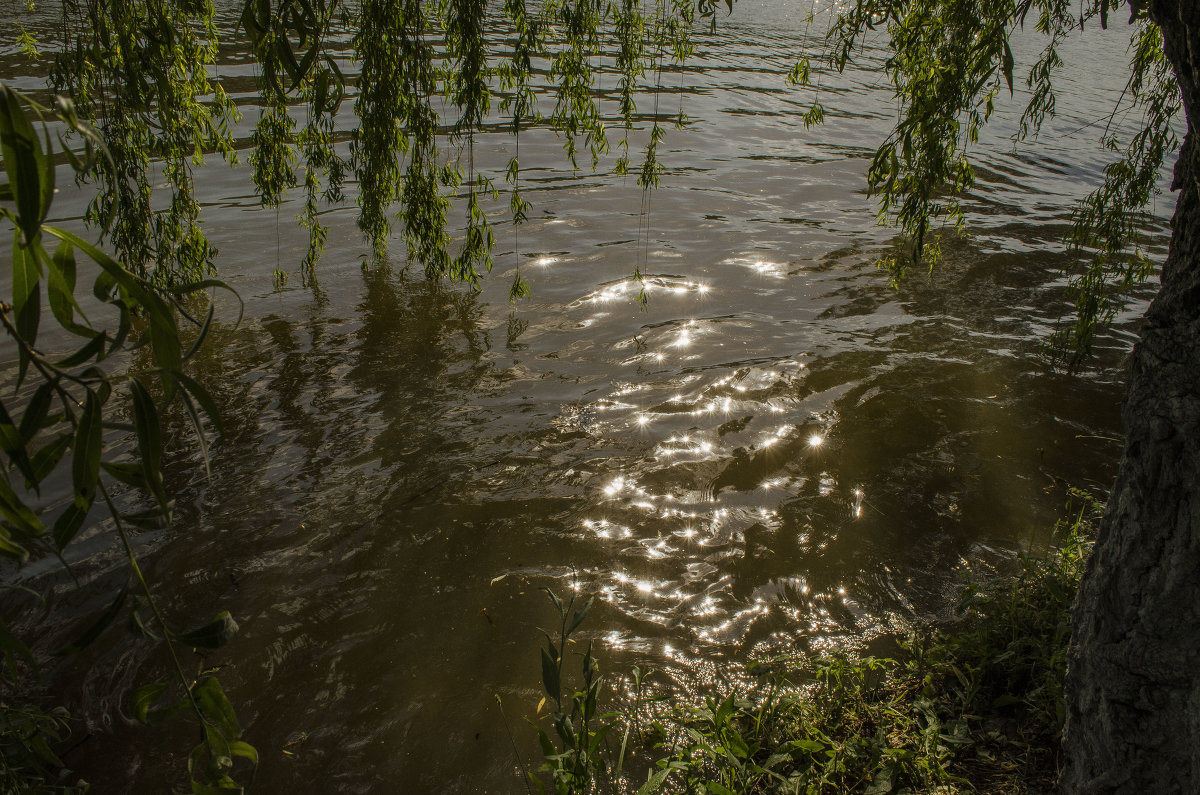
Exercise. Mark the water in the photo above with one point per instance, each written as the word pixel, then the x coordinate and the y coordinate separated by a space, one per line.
pixel 777 454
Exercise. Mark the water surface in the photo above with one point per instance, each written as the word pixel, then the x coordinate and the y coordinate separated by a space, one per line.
pixel 777 453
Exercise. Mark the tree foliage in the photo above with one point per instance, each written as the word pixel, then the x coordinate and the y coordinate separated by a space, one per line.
pixel 431 75
pixel 67 400
pixel 948 62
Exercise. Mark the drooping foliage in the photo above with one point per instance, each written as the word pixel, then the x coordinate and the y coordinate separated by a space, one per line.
pixel 948 61
pixel 424 79
pixel 424 76
pixel 53 432
pixel 143 71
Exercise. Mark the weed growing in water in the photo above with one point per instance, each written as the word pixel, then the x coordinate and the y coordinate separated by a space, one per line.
pixel 577 757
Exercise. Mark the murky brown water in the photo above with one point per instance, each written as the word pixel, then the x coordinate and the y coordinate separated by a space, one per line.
pixel 778 453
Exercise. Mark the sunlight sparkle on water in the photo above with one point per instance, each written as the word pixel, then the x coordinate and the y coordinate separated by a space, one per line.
pixel 816 440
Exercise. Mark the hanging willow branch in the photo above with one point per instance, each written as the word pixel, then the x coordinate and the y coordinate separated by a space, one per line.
pixel 145 69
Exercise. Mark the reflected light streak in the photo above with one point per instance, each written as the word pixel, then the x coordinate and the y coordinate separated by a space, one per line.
pixel 816 440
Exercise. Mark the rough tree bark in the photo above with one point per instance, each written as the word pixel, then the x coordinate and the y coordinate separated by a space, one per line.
pixel 1133 684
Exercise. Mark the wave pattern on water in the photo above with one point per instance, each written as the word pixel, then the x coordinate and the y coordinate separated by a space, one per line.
pixel 776 453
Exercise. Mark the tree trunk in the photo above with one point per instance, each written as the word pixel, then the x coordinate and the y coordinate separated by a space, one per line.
pixel 1133 683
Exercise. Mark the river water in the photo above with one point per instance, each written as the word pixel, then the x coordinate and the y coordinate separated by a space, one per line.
pixel 777 453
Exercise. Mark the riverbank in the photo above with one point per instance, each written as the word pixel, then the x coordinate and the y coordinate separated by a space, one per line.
pixel 972 707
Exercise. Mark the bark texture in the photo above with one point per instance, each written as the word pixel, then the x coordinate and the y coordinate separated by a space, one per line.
pixel 1133 683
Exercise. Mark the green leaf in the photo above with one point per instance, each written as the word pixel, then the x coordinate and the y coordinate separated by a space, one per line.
pixel 10 548
pixel 807 746
pixel 19 516
pixel 45 459
pixel 244 750
pixel 23 161
pixel 85 464
pixel 13 444
pixel 45 159
pixel 97 627
pixel 1006 65
pixel 216 707
pixel 163 332
pixel 212 635
pixel 580 615
pixel 203 335
pixel 60 289
pixel 550 678
pixel 194 417
pixel 201 395
pixel 737 745
pixel 654 782
pixel 126 472
pixel 93 349
pixel 149 439
pixel 34 417
pixel 69 523
pixel 27 306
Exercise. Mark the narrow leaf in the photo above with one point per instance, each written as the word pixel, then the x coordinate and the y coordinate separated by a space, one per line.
pixel 85 463
pixel 149 438
pixel 13 444
pixel 98 626
pixel 34 417
pixel 45 459
pixel 212 635
pixel 69 523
